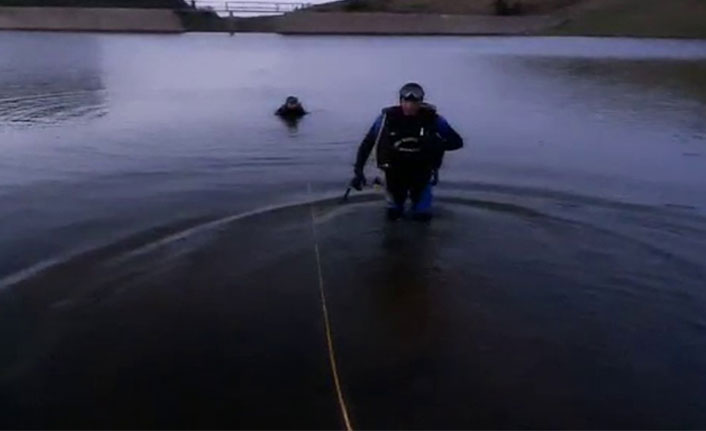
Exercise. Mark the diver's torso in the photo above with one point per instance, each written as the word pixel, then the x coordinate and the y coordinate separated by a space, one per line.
pixel 404 140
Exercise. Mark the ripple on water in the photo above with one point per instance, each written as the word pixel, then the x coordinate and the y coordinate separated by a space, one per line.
pixel 52 108
pixel 490 298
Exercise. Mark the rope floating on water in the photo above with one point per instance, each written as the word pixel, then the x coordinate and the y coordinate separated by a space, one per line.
pixel 327 323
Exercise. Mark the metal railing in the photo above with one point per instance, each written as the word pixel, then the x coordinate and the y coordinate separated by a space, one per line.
pixel 248 7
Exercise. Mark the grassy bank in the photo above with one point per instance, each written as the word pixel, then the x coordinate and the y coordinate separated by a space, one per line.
pixel 452 7
pixel 638 18
pixel 641 18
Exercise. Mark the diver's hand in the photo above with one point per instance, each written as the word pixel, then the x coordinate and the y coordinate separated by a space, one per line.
pixel 434 177
pixel 359 181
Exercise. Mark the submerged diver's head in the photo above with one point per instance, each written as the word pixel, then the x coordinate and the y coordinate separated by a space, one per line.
pixel 292 102
pixel 411 98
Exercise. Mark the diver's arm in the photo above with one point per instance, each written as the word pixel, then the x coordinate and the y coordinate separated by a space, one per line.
pixel 366 147
pixel 451 140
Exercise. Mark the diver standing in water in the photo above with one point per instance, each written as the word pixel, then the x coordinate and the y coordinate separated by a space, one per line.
pixel 411 139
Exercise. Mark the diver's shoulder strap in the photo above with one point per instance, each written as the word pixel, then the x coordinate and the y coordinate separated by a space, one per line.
pixel 392 110
pixel 383 124
pixel 429 107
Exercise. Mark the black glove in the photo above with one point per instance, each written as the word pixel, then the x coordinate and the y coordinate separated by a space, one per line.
pixel 359 181
pixel 434 177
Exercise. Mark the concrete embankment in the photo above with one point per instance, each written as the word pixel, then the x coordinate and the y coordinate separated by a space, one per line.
pixel 90 19
pixel 395 24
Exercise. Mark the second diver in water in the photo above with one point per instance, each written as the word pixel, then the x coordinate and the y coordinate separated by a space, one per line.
pixel 292 109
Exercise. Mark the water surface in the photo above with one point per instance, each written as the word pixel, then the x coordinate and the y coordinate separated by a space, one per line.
pixel 157 263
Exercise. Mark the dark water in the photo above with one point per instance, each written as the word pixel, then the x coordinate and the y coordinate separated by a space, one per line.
pixel 157 263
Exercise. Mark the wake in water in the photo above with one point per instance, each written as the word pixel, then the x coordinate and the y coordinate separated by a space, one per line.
pixel 52 108
pixel 505 292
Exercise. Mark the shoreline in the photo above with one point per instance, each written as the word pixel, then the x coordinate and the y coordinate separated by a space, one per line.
pixel 303 23
pixel 410 24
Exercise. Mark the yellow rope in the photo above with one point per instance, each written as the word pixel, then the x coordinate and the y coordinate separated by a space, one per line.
pixel 327 324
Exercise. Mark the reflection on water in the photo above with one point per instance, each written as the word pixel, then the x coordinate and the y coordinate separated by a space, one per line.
pixel 291 123
pixel 157 264
pixel 674 89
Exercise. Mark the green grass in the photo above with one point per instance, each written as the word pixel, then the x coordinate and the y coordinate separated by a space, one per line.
pixel 639 18
pixel 468 7
pixel 642 18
